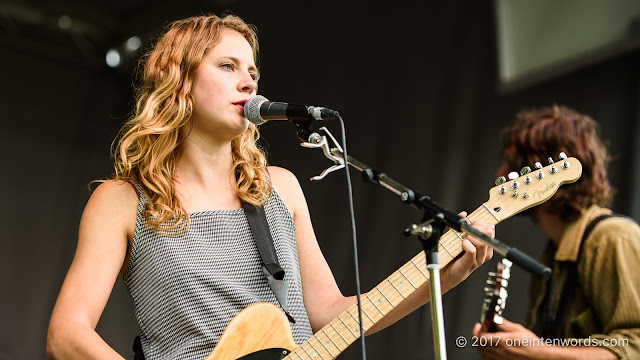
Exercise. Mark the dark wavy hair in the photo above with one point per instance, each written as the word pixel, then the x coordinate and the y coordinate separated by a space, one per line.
pixel 539 133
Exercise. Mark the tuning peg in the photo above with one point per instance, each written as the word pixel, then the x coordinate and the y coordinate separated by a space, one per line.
pixel 525 170
pixel 501 180
pixel 538 165
pixel 550 160
pixel 562 156
pixel 513 175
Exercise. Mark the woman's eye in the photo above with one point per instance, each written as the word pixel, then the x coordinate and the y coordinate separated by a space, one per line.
pixel 254 76
pixel 227 66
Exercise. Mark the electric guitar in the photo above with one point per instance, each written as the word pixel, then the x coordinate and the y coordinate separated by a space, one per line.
pixel 262 331
pixel 495 298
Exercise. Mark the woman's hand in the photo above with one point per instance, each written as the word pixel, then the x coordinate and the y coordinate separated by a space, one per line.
pixel 475 253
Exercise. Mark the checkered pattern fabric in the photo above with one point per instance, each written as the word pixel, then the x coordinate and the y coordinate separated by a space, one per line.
pixel 186 288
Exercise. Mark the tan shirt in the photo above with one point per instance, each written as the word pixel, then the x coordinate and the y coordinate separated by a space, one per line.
pixel 606 305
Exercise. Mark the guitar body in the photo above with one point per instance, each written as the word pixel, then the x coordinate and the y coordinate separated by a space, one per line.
pixel 261 331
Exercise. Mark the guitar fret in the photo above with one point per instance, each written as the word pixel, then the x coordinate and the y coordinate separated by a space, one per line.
pixel 419 269
pixel 461 237
pixel 315 351
pixel 295 351
pixel 406 277
pixel 338 332
pixel 384 296
pixel 324 346
pixel 305 351
pixel 445 248
pixel 364 311
pixel 357 319
pixel 374 304
pixel 347 326
pixel 398 290
pixel 331 340
pixel 491 212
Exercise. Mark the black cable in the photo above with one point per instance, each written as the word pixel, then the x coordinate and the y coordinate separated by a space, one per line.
pixel 353 233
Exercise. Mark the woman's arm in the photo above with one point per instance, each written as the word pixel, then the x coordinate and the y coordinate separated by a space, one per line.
pixel 106 226
pixel 322 297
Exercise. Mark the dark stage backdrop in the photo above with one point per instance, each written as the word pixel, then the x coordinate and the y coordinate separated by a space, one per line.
pixel 417 88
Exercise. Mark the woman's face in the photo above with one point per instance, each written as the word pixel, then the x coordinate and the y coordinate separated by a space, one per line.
pixel 224 81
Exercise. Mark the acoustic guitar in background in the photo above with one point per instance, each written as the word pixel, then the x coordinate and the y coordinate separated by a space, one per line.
pixel 495 298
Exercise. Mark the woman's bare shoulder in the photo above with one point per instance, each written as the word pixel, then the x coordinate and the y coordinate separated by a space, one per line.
pixel 280 175
pixel 288 187
pixel 115 192
pixel 114 200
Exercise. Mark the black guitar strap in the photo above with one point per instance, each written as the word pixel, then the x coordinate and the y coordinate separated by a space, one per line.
pixel 270 265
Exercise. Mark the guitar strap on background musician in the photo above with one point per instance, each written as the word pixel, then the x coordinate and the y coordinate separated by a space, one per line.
pixel 554 311
pixel 270 265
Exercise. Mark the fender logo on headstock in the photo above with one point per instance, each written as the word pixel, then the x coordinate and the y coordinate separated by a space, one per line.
pixel 539 194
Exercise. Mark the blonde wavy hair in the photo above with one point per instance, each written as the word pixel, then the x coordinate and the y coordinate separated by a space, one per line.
pixel 144 150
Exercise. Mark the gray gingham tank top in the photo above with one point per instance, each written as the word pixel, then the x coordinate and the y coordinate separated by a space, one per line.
pixel 186 288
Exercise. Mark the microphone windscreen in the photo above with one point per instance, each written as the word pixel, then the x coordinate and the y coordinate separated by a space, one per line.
pixel 252 109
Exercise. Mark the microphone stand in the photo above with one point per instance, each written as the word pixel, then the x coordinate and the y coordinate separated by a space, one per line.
pixel 435 219
pixel 415 199
pixel 429 233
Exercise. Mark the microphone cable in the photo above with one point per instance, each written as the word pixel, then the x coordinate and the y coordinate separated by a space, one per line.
pixel 353 233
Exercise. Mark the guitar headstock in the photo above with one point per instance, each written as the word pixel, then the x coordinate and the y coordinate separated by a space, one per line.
pixel 496 295
pixel 531 187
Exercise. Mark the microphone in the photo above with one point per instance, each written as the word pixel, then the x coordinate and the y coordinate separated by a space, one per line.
pixel 259 110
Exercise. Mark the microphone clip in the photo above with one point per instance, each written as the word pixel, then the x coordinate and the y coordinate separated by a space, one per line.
pixel 317 141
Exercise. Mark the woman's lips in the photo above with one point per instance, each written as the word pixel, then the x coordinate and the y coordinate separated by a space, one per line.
pixel 240 104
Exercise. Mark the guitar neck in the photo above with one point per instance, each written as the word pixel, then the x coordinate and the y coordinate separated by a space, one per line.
pixel 342 331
